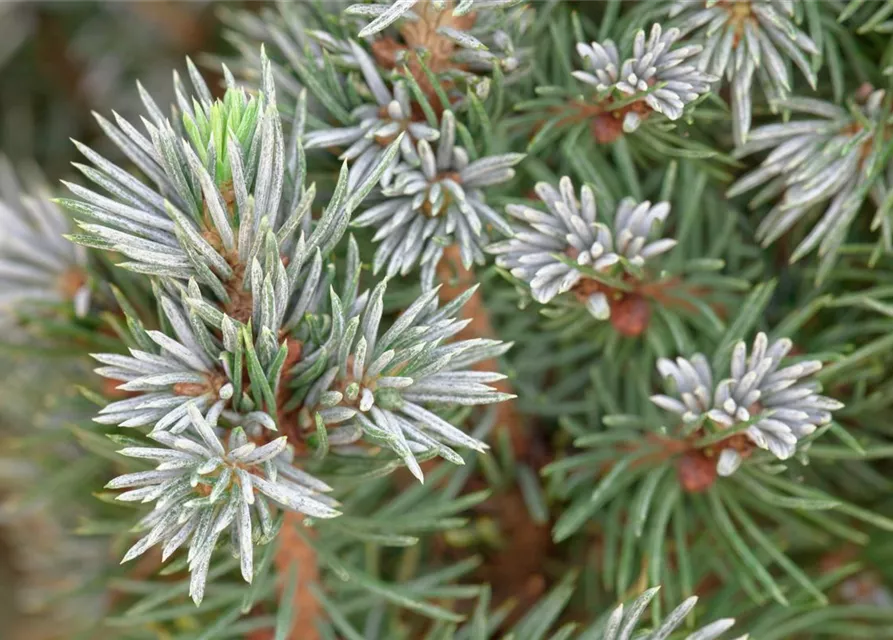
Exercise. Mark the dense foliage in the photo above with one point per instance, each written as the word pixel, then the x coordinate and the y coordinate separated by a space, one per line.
pixel 454 319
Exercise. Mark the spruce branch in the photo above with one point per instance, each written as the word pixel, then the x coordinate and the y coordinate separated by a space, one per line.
pixel 648 286
pixel 778 408
pixel 429 51
pixel 374 125
pixel 654 74
pixel 834 161
pixel 380 383
pixel 746 39
pixel 568 249
pixel 168 375
pixel 455 36
pixel 438 203
pixel 253 336
pixel 619 94
pixel 202 488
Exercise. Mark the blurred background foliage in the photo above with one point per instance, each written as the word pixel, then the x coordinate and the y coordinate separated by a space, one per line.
pixel 59 61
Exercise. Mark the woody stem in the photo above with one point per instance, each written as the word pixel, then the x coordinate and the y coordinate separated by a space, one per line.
pixel 456 279
pixel 295 552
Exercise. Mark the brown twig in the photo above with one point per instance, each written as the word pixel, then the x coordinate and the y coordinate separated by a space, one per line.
pixel 295 551
pixel 516 570
pixel 456 279
pixel 695 466
pixel 631 307
pixel 424 35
